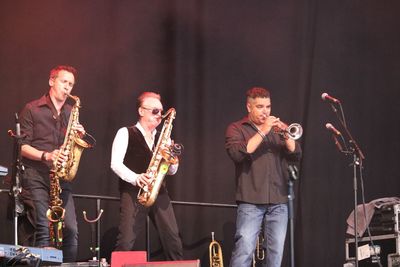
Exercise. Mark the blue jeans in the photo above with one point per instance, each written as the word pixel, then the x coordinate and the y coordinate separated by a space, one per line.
pixel 248 224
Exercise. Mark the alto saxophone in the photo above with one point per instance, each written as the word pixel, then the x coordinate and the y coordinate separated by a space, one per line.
pixel 72 148
pixel 163 156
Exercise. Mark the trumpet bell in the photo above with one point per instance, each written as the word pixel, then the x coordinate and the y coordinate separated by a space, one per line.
pixel 294 131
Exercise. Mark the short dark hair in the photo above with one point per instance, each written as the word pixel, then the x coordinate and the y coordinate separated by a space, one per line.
pixel 54 72
pixel 257 92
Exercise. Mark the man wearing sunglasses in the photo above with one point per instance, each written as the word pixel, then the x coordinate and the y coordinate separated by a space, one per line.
pixel 132 151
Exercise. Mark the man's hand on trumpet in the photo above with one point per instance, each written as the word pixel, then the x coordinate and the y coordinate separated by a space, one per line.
pixel 269 123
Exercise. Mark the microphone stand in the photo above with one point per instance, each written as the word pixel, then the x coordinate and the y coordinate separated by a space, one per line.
pixel 292 177
pixel 358 157
pixel 17 171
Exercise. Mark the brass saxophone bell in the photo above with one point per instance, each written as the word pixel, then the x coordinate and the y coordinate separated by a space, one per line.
pixel 55 214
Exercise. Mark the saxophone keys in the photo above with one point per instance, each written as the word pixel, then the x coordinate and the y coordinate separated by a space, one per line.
pixel 145 188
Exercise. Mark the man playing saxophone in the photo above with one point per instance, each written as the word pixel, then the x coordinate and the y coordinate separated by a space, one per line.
pixel 133 151
pixel 43 126
pixel 261 158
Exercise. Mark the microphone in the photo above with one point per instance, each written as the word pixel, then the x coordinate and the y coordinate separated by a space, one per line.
pixel 337 143
pixel 328 98
pixel 17 125
pixel 293 172
pixel 331 128
pixel 17 128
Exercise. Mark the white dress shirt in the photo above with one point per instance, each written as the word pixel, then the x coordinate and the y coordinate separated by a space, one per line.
pixel 118 151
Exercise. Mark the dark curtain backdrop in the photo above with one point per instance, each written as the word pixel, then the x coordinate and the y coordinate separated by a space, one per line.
pixel 202 56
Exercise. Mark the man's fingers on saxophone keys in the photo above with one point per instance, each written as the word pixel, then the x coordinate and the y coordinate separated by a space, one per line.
pixel 79 128
pixel 141 180
pixel 59 155
pixel 52 156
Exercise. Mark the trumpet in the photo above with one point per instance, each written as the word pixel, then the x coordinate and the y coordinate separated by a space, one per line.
pixel 259 253
pixel 293 131
pixel 215 253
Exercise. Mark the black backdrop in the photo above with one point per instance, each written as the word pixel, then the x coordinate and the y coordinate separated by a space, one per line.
pixel 202 56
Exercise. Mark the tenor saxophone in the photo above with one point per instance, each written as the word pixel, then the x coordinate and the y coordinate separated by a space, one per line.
pixel 163 157
pixel 72 148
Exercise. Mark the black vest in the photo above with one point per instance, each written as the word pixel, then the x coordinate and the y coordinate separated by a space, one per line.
pixel 137 157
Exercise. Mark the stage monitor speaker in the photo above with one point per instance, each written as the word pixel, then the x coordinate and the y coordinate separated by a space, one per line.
pixel 122 258
pixel 386 244
pixel 394 260
pixel 185 263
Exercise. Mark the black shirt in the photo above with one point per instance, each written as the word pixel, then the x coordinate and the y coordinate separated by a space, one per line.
pixel 261 177
pixel 43 128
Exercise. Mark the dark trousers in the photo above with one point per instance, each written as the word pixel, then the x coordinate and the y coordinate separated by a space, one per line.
pixel 37 184
pixel 133 221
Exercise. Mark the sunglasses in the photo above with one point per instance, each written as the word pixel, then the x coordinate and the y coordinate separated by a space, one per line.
pixel 154 111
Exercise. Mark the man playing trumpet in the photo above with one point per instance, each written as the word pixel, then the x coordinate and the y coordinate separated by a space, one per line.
pixel 260 154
